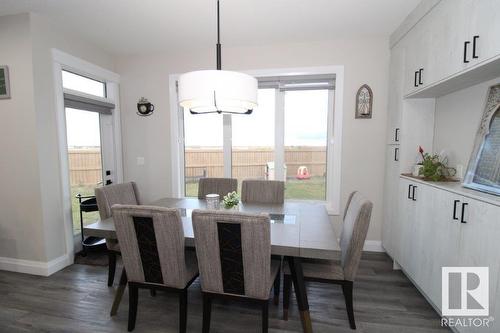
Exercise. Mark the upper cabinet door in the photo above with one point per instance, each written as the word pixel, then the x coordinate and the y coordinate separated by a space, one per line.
pixel 417 56
pixel 396 86
pixel 447 39
pixel 483 21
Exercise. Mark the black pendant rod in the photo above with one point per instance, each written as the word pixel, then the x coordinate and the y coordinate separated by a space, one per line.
pixel 219 62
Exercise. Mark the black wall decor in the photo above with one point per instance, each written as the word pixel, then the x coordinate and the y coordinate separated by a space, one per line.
pixel 144 107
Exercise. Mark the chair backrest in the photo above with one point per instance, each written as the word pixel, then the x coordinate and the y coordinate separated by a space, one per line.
pixel 109 195
pixel 234 252
pixel 220 186
pixel 152 244
pixel 356 221
pixel 263 191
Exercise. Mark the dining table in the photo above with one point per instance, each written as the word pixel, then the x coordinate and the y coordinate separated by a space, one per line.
pixel 299 229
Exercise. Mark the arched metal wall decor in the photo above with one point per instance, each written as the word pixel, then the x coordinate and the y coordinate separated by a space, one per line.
pixel 364 102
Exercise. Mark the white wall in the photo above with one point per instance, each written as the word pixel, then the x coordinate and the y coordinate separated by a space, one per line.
pixel 31 223
pixel 20 203
pixel 457 120
pixel 363 152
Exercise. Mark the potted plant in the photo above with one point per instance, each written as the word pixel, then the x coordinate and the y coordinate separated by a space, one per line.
pixel 434 167
pixel 231 200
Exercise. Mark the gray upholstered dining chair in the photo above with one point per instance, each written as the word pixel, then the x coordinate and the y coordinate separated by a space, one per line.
pixel 107 196
pixel 234 258
pixel 263 191
pixel 356 221
pixel 220 186
pixel 152 245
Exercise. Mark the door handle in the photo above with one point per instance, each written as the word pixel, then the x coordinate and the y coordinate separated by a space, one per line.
pixel 465 51
pixel 409 191
pixel 420 76
pixel 415 83
pixel 109 182
pixel 474 42
pixel 396 135
pixel 413 193
pixel 455 202
pixel 396 154
pixel 463 211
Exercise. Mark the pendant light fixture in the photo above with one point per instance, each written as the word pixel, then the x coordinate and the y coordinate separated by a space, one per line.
pixel 218 91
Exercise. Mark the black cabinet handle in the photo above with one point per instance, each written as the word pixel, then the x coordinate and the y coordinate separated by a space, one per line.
pixel 465 51
pixel 413 194
pixel 415 82
pixel 463 211
pixel 409 191
pixel 396 135
pixel 474 40
pixel 109 182
pixel 455 202
pixel 396 154
pixel 420 76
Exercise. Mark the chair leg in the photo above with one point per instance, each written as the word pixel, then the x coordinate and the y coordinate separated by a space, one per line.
pixel 112 267
pixel 207 310
pixel 183 311
pixel 276 288
pixel 347 290
pixel 133 293
pixel 265 316
pixel 287 286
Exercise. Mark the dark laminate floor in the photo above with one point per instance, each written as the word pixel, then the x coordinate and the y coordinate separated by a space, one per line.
pixel 78 300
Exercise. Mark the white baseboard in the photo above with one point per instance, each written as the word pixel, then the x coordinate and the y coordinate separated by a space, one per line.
pixel 373 246
pixel 35 267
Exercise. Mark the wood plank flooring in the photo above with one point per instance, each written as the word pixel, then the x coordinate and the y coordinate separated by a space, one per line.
pixel 77 299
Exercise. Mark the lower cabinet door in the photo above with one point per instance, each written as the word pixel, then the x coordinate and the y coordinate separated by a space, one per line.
pixel 480 247
pixel 443 243
pixel 406 227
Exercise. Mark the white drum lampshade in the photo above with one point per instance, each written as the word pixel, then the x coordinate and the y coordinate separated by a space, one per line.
pixel 217 91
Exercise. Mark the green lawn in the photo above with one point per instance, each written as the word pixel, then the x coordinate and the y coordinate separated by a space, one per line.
pixel 88 218
pixel 310 189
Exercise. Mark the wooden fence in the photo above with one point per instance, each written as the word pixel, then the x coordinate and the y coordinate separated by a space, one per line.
pixel 85 164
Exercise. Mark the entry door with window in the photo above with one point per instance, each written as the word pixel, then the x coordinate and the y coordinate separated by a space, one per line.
pixel 90 143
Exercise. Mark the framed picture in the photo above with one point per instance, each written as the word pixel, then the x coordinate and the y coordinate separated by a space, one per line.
pixel 4 82
pixel 364 102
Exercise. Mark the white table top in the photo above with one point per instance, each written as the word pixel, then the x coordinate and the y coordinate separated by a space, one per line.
pixel 307 231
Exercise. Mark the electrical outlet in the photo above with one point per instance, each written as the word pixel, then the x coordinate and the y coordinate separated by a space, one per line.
pixel 140 160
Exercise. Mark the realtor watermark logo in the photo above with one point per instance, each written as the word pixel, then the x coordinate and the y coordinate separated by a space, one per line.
pixel 465 293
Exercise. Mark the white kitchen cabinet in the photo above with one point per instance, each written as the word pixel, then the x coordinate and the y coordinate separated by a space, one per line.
pixel 446 41
pixel 391 183
pixel 417 56
pixel 443 240
pixel 482 19
pixel 453 37
pixel 479 245
pixel 395 102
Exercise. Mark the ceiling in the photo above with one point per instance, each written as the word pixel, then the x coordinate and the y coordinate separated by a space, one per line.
pixel 144 26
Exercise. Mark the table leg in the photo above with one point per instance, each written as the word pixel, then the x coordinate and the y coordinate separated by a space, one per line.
pixel 300 292
pixel 119 293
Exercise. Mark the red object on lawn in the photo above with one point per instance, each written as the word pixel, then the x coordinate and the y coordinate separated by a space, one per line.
pixel 303 173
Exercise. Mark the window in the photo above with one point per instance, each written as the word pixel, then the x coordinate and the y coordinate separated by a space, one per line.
pixel 290 136
pixel 253 139
pixel 306 119
pixel 483 173
pixel 203 153
pixel 83 84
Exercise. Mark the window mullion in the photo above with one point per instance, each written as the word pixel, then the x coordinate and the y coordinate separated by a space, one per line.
pixel 279 138
pixel 330 147
pixel 227 145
